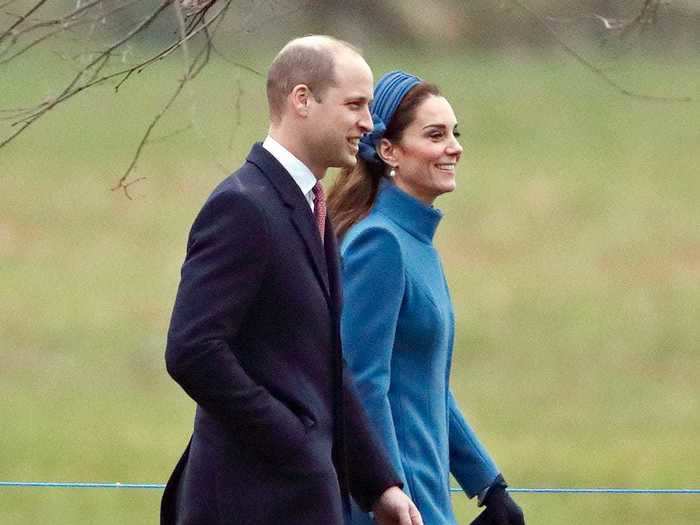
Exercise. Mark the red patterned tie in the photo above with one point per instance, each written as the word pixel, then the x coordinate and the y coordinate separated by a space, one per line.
pixel 320 208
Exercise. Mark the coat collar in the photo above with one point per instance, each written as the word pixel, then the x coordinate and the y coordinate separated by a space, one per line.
pixel 413 215
pixel 301 214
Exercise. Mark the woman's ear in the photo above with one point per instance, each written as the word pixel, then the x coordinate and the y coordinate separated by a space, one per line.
pixel 300 97
pixel 387 151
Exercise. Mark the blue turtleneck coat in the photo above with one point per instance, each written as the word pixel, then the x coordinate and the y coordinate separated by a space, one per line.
pixel 397 330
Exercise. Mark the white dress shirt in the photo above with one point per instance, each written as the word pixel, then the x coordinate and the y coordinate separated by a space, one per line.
pixel 296 168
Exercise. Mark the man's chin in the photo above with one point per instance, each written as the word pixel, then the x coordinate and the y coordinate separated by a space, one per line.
pixel 348 162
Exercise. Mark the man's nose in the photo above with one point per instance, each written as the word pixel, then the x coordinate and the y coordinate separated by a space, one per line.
pixel 366 121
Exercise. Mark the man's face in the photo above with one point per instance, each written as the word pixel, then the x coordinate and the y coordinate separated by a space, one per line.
pixel 337 122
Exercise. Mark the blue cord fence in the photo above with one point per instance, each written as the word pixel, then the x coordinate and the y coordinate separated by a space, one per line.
pixel 521 490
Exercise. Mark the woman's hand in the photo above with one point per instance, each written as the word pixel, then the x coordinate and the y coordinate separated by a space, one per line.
pixel 501 509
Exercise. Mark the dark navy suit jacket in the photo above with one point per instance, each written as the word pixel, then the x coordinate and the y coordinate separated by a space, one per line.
pixel 279 435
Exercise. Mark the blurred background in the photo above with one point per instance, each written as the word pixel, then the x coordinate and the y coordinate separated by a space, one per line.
pixel 572 244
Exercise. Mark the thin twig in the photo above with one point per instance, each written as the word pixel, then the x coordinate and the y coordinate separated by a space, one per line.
pixel 165 52
pixel 71 90
pixel 170 135
pixel 136 30
pixel 122 182
pixel 99 67
pixel 65 23
pixel 234 63
pixel 91 74
pixel 202 56
pixel 599 72
pixel 21 19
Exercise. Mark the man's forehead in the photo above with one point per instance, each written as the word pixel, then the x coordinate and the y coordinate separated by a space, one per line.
pixel 353 71
pixel 355 91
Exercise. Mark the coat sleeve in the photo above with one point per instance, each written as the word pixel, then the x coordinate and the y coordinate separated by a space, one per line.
pixel 227 253
pixel 370 471
pixel 470 462
pixel 373 289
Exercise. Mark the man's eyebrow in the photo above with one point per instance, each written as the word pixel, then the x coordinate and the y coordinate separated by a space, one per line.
pixel 358 98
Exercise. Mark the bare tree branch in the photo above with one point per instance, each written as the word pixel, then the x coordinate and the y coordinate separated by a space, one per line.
pixel 649 9
pixel 22 18
pixel 61 24
pixel 170 135
pixel 196 23
pixel 201 20
pixel 647 17
pixel 192 69
pixel 74 87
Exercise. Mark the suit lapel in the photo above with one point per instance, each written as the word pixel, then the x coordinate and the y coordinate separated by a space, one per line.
pixel 300 212
pixel 332 262
pixel 304 222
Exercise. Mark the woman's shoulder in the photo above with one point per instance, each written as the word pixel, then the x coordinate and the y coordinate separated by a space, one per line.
pixel 372 251
pixel 373 229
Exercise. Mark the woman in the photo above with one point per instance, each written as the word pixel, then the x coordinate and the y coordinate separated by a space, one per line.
pixel 398 324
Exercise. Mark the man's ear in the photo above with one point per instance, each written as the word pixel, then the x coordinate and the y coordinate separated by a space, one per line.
pixel 388 152
pixel 300 97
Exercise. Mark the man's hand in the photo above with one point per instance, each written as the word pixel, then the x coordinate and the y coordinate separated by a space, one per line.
pixel 394 507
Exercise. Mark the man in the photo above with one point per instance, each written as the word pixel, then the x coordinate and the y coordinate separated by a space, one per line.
pixel 279 436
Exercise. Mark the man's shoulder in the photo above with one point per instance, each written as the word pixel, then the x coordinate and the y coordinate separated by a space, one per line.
pixel 243 193
pixel 242 178
pixel 248 190
pixel 246 183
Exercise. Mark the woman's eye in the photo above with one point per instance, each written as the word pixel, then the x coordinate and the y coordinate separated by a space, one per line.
pixel 457 134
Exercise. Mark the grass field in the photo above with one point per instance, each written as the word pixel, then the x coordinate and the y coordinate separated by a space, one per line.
pixel 572 247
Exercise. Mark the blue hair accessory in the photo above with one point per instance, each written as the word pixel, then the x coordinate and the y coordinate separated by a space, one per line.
pixel 368 141
pixel 388 94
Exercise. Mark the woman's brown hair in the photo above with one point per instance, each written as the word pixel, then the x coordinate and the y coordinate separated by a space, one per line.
pixel 355 190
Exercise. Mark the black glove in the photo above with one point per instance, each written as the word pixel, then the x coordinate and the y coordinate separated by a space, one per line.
pixel 500 507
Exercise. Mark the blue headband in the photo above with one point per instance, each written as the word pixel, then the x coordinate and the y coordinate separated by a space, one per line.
pixel 388 94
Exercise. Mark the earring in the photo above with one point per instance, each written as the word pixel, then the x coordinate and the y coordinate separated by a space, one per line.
pixel 392 172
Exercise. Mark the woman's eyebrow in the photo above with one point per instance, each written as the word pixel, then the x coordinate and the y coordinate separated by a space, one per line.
pixel 440 126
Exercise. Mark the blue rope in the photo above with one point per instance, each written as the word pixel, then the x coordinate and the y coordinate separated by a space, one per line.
pixel 160 486
pixel 81 485
pixel 594 490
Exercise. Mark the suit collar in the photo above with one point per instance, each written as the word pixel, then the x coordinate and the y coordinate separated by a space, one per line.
pixel 297 169
pixel 300 212
pixel 288 190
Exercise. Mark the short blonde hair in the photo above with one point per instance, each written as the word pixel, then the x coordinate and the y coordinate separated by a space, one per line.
pixel 308 60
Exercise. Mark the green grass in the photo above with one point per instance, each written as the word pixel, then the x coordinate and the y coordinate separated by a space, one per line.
pixel 572 247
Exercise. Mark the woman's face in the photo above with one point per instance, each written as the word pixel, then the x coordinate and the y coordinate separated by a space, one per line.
pixel 426 156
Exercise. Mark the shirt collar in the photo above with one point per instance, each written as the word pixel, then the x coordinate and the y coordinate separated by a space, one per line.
pixel 297 169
